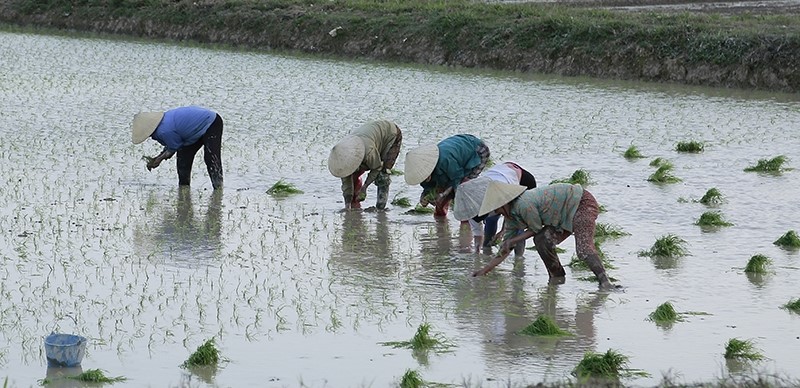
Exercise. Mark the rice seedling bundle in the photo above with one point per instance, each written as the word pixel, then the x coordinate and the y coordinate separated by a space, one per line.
pixel 712 218
pixel 757 264
pixel 712 197
pixel 96 376
pixel 665 313
pixel 205 355
pixel 667 246
pixel 605 365
pixel 788 240
pixel 545 325
pixel 579 177
pixel 769 165
pixel 793 306
pixel 664 174
pixel 633 153
pixel 402 202
pixel 282 188
pixel 690 146
pixel 411 379
pixel 742 350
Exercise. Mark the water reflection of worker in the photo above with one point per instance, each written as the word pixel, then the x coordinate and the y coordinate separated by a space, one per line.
pixel 549 214
pixel 183 131
pixel 363 249
pixel 440 168
pixel 468 203
pixel 185 231
pixel 372 147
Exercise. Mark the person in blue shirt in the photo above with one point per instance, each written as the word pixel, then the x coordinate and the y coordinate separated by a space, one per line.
pixel 440 168
pixel 183 131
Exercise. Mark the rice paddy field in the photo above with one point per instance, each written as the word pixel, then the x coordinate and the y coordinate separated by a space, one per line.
pixel 295 292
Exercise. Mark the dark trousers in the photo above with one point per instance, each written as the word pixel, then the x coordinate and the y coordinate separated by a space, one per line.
pixel 212 155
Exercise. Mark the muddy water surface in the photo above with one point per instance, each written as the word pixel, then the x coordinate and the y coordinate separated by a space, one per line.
pixel 295 292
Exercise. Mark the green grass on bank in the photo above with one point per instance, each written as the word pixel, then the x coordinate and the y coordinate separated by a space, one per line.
pixel 442 30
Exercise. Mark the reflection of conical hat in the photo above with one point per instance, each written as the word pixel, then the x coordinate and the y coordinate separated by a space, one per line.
pixel 346 156
pixel 420 163
pixel 499 194
pixel 469 197
pixel 144 124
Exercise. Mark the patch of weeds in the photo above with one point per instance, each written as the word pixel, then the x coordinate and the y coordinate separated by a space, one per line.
pixel 664 174
pixel 769 165
pixel 658 162
pixel 712 218
pixel 667 246
pixel 758 264
pixel 402 202
pixel 395 172
pixel 282 188
pixel 737 349
pixel 691 146
pixel 633 153
pixel 608 365
pixel 411 379
pixel 420 210
pixel 545 325
pixel 665 313
pixel 793 306
pixel 788 240
pixel 205 355
pixel 712 197
pixel 96 376
pixel 602 230
pixel 422 340
pixel 580 177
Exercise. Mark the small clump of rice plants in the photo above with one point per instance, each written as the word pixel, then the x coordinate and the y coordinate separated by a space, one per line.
pixel 658 162
pixel 558 249
pixel 602 230
pixel 737 349
pixel 667 246
pixel 758 264
pixel 788 240
pixel 282 188
pixel 769 165
pixel 205 355
pixel 411 379
pixel 545 325
pixel 420 210
pixel 402 202
pixel 690 146
pixel 712 197
pixel 422 340
pixel 633 153
pixel 580 177
pixel 665 313
pixel 608 365
pixel 578 264
pixel 664 174
pixel 793 306
pixel 96 376
pixel 712 218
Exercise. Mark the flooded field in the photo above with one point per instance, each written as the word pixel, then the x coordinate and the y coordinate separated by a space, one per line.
pixel 295 292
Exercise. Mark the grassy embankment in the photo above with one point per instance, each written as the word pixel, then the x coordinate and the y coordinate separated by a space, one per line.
pixel 743 51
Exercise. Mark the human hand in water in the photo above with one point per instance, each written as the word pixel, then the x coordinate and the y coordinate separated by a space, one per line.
pixel 152 162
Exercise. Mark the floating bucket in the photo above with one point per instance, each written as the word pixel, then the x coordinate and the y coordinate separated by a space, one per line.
pixel 64 350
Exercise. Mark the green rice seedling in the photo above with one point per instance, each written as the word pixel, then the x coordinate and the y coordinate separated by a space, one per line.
pixel 580 177
pixel 757 264
pixel 96 376
pixel 793 306
pixel 690 146
pixel 712 197
pixel 420 210
pixel 788 240
pixel 282 188
pixel 665 313
pixel 664 174
pixel 633 153
pixel 657 162
pixel 608 365
pixel 205 355
pixel 737 349
pixel 769 165
pixel 395 172
pixel 545 325
pixel 402 202
pixel 667 246
pixel 712 218
pixel 411 379
pixel 578 264
pixel 602 230
pixel 558 249
pixel 422 340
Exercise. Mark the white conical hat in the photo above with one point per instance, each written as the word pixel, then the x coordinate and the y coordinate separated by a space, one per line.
pixel 346 156
pixel 420 163
pixel 144 124
pixel 469 197
pixel 499 194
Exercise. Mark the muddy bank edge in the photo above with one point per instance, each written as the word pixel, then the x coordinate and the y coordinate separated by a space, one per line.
pixel 740 51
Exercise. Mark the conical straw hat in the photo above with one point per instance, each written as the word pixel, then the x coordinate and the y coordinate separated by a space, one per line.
pixel 469 197
pixel 499 194
pixel 144 124
pixel 346 156
pixel 420 163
